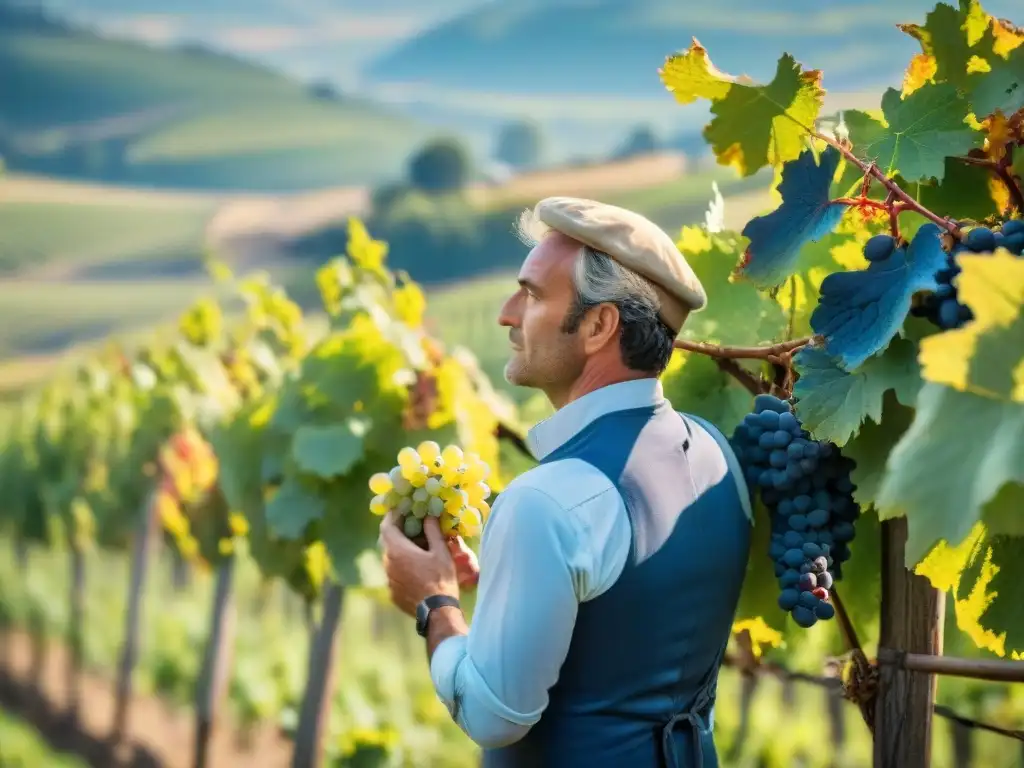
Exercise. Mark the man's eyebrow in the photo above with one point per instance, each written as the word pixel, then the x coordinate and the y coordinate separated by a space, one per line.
pixel 529 285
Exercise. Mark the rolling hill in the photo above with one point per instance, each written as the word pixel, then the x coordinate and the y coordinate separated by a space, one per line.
pixel 77 104
pixel 612 47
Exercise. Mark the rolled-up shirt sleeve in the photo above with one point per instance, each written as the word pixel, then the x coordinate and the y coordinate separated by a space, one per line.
pixel 495 681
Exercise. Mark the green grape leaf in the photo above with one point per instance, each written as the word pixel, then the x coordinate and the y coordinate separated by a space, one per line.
pixel 348 528
pixel 1002 88
pixel 806 214
pixel 860 311
pixel 948 36
pixel 985 356
pixel 754 125
pixel 835 252
pixel 990 593
pixel 919 132
pixel 292 509
pixel 871 446
pixel 832 403
pixel 700 387
pixel 944 482
pixel 330 451
pixel 965 192
pixel 740 315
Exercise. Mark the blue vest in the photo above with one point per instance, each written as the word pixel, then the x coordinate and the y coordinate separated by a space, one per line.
pixel 637 688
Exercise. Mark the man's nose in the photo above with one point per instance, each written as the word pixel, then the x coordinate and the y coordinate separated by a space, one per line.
pixel 509 313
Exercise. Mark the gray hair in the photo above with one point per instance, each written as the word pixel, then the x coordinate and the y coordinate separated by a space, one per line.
pixel 600 279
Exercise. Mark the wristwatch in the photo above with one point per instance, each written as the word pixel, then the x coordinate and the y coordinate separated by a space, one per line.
pixel 428 604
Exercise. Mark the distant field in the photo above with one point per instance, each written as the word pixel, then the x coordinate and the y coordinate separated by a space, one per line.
pixel 187 118
pixel 466 314
pixel 35 235
pixel 47 316
pixel 92 261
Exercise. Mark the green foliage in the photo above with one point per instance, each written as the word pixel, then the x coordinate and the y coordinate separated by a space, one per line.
pixel 933 418
pixel 440 167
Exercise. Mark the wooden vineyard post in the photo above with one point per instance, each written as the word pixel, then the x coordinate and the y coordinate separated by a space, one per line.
pixel 133 618
pixel 912 621
pixel 316 699
pixel 216 670
pixel 76 627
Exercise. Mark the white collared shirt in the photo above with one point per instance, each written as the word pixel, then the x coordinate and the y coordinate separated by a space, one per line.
pixel 558 535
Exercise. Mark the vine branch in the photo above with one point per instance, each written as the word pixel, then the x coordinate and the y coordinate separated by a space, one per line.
pixel 773 353
pixel 871 170
pixel 1001 168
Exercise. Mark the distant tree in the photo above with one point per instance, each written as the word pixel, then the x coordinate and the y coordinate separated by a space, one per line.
pixel 441 166
pixel 641 141
pixel 520 144
pixel 322 89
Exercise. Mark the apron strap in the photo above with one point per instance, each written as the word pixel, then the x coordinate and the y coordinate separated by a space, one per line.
pixel 732 462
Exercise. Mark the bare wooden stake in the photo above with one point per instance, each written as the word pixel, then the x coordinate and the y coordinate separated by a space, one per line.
pixel 76 631
pixel 133 618
pixel 319 684
pixel 912 621
pixel 216 669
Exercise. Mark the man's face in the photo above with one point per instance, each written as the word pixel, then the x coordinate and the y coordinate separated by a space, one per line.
pixel 543 355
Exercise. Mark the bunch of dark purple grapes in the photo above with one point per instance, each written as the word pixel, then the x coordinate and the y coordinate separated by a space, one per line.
pixel 806 486
pixel 943 307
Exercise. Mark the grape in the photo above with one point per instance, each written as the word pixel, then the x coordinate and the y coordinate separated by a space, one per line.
pixel 806 486
pixel 435 506
pixel 879 247
pixel 808 581
pixel 428 451
pixel 413 527
pixel 380 483
pixel 942 307
pixel 788 599
pixel 379 505
pixel 804 617
pixel 445 484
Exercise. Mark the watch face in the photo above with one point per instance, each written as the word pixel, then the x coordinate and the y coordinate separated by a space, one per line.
pixel 422 614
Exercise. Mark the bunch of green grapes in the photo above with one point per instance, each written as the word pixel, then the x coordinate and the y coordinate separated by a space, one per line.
pixel 447 484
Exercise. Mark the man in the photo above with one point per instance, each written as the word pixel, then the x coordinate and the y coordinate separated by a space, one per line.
pixel 610 572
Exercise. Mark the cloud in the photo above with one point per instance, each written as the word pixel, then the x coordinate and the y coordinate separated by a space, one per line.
pixel 333 29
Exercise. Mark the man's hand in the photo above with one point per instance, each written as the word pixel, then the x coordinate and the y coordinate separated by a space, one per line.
pixel 415 573
pixel 466 565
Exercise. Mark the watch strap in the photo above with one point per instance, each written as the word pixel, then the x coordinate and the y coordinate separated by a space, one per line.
pixel 428 605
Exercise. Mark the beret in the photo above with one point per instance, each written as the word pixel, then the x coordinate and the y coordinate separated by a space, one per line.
pixel 636 243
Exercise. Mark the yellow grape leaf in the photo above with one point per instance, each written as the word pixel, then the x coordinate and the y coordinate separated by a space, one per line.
pixel 754 125
pixel 986 356
pixel 363 249
pixel 1007 37
pixel 920 71
pixel 761 635
pixel 410 304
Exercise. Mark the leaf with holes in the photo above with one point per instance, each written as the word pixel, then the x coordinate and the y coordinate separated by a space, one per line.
pixel 807 214
pixel 754 125
pixel 859 312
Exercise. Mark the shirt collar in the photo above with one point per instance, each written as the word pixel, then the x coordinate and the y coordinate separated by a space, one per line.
pixel 566 422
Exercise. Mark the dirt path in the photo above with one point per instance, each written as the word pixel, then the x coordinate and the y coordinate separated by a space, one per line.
pixel 159 735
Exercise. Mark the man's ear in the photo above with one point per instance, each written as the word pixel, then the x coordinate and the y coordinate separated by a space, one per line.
pixel 600 327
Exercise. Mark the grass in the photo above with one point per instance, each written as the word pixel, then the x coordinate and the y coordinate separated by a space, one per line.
pixel 36 234
pixel 42 316
pixel 21 747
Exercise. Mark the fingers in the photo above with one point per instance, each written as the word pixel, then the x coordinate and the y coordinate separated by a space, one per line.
pixel 432 530
pixel 392 537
